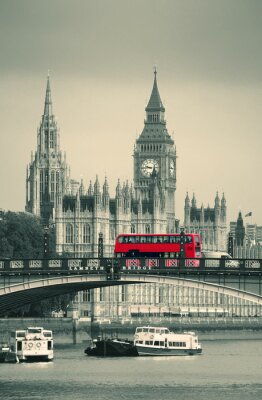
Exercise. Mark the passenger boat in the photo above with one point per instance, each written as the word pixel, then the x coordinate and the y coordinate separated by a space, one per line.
pixel 112 348
pixel 160 341
pixel 7 355
pixel 32 344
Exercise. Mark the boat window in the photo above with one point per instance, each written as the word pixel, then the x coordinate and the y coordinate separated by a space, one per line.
pixel 145 330
pixel 162 343
pixel 139 329
pixel 166 331
pixel 34 330
pixel 183 344
pixel 170 344
pixel 163 331
pixel 20 334
pixel 140 341
pixel 152 330
pixel 147 342
pixel 48 334
pixel 156 343
pixel 157 330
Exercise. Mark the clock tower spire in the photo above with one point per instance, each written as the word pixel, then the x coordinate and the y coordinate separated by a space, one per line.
pixel 155 151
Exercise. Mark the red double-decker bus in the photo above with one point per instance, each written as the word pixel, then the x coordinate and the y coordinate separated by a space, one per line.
pixel 171 245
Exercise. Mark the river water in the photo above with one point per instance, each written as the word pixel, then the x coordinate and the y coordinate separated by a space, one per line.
pixel 229 368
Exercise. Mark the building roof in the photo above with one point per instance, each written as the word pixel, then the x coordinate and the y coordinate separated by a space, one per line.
pixel 155 102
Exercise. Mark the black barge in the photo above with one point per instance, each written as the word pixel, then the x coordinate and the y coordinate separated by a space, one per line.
pixel 112 348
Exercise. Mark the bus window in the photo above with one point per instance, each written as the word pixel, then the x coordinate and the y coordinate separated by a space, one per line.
pixel 188 239
pixel 154 239
pixel 148 239
pixel 142 239
pixel 159 239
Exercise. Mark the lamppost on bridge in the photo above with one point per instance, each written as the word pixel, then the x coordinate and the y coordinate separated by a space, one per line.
pixel 100 245
pixel 46 242
pixel 182 243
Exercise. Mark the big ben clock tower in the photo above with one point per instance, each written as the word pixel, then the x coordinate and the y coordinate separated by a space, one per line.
pixel 155 156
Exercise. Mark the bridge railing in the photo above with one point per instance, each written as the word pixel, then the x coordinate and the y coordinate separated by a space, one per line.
pixel 126 265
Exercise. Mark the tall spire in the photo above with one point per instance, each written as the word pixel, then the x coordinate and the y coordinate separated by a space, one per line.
pixel 48 101
pixel 155 103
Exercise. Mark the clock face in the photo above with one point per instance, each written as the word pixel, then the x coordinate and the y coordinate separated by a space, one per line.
pixel 148 166
pixel 172 168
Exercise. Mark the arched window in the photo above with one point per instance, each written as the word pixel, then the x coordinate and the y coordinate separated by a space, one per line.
pixel 57 182
pixel 69 233
pixel 41 185
pixel 52 186
pixel 112 232
pixel 133 228
pixel 86 233
pixel 147 228
pixel 51 139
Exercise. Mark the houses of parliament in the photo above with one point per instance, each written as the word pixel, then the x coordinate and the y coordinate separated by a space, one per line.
pixel 146 205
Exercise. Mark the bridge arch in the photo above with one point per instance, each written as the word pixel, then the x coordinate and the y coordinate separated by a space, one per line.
pixel 188 295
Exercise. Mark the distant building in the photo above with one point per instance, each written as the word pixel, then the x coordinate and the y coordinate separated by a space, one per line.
pixel 211 223
pixel 239 231
pixel 247 241
pixel 48 172
pixel 146 206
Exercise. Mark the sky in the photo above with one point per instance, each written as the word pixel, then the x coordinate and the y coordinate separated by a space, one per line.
pixel 101 56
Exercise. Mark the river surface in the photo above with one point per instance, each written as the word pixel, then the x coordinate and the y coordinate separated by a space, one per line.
pixel 229 368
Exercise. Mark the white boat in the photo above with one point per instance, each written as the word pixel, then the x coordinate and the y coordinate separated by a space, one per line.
pixel 32 344
pixel 160 341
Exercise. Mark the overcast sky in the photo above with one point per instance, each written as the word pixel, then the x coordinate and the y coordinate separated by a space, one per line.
pixel 101 56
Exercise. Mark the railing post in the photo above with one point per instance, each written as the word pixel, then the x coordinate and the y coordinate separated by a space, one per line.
pixel 100 245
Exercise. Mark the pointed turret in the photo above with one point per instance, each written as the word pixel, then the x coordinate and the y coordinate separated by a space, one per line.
pixel 106 188
pixel 118 189
pixel 187 200
pixel 97 186
pixel 194 204
pixel 155 102
pixel 81 188
pixel 217 201
pixel 187 211
pixel 48 101
pixel 223 201
pixel 97 194
pixel 90 191
pixel 105 194
pixel 119 197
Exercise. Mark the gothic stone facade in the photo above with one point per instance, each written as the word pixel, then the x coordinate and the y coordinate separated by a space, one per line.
pixel 209 222
pixel 146 206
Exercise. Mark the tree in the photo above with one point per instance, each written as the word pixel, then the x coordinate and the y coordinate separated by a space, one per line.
pixel 21 236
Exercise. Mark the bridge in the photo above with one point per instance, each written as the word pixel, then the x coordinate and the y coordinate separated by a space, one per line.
pixel 233 284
